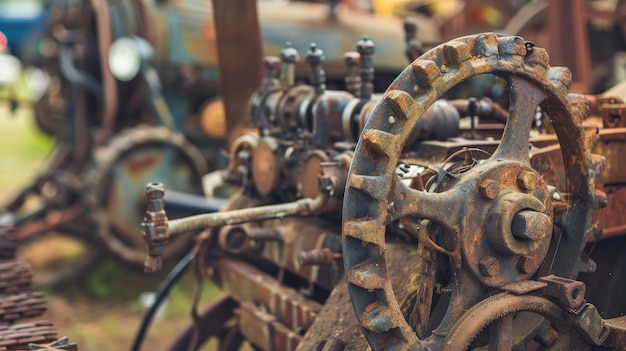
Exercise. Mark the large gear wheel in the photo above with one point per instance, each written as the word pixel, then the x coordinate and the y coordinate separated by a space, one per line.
pixel 476 208
pixel 123 168
pixel 497 313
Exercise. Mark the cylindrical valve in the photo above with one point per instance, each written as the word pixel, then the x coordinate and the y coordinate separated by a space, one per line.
pixel 154 227
pixel 271 64
pixel 288 56
pixel 413 46
pixel 366 50
pixel 353 79
pixel 315 57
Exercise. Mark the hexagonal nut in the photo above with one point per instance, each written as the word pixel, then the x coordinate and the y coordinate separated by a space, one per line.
pixel 527 180
pixel 530 225
pixel 489 266
pixel 489 189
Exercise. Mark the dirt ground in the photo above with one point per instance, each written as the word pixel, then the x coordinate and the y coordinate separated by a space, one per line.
pixel 101 311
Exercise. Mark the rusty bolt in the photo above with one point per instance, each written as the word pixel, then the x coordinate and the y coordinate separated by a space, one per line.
pixel 288 54
pixel 526 264
pixel 365 47
pixel 530 225
pixel 272 67
pixel 489 189
pixel 318 257
pixel 489 266
pixel 351 58
pixel 547 337
pixel 155 191
pixel 527 180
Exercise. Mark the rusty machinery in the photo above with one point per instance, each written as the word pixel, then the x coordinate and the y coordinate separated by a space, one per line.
pixel 131 99
pixel 21 306
pixel 443 232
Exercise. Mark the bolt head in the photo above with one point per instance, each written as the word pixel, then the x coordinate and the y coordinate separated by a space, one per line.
pixel 365 46
pixel 489 266
pixel 530 225
pixel 155 191
pixel 527 180
pixel 489 189
pixel 526 264
pixel 315 56
pixel 289 55
pixel 351 58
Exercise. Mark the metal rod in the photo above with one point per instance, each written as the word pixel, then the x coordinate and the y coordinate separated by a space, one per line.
pixel 304 207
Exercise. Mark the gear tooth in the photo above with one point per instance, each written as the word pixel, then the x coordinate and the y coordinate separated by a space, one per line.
pixel 578 107
pixel 378 318
pixel 598 164
pixel 512 46
pixel 401 103
pixel 374 186
pixel 381 142
pixel 455 52
pixel 426 73
pixel 538 58
pixel 368 232
pixel 368 275
pixel 561 77
pixel 485 45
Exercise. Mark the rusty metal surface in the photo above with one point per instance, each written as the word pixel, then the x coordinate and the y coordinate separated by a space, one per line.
pixel 475 216
pixel 16 277
pixel 19 303
pixel 20 335
pixel 22 306
pixel 62 344
pixel 372 181
pixel 337 310
pixel 478 217
pixel 567 19
pixel 128 161
pixel 286 310
pixel 246 34
pixel 212 322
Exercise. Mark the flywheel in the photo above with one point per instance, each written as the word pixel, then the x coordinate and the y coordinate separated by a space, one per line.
pixel 123 168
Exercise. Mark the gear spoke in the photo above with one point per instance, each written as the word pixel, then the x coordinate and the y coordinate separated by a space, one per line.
pixel 500 334
pixel 524 99
pixel 441 208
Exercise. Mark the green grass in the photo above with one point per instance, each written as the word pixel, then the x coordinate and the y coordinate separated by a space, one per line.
pixel 23 148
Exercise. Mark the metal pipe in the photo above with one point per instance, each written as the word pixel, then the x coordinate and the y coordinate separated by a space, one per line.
pixel 303 207
pixel 157 229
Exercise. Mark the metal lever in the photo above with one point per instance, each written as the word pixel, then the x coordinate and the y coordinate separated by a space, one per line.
pixel 154 228
pixel 157 229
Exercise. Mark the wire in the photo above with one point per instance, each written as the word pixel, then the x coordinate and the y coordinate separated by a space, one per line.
pixel 164 290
